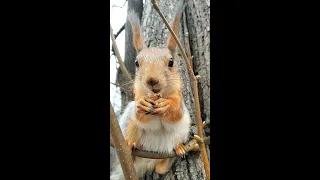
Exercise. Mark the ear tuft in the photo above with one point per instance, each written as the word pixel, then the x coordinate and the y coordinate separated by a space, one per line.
pixel 175 25
pixel 138 40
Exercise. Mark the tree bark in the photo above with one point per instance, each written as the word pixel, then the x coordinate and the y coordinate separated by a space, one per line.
pixel 156 34
pixel 198 20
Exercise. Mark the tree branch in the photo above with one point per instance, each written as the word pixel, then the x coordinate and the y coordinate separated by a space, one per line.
pixel 124 70
pixel 195 88
pixel 120 86
pixel 120 30
pixel 122 147
pixel 190 146
pixel 119 6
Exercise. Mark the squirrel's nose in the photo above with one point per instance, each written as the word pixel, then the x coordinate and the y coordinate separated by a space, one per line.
pixel 152 81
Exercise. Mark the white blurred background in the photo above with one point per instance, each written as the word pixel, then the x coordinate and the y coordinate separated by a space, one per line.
pixel 118 14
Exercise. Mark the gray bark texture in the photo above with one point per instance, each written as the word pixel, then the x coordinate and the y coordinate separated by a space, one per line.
pixel 156 34
pixel 197 15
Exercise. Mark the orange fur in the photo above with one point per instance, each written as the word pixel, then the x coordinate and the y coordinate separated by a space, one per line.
pixel 138 41
pixel 162 98
pixel 161 167
pixel 133 133
pixel 175 27
pixel 173 112
pixel 143 118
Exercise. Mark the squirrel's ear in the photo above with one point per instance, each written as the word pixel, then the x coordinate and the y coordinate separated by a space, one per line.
pixel 175 26
pixel 138 40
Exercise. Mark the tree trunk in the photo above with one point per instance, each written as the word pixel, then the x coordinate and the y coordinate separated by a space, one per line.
pixel 198 22
pixel 156 33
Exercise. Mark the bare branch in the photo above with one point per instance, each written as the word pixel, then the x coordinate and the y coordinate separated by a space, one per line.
pixel 195 89
pixel 116 51
pixel 121 87
pixel 116 35
pixel 190 146
pixel 121 146
pixel 129 82
pixel 120 30
pixel 119 6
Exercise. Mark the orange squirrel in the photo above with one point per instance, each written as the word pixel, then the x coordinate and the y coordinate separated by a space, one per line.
pixel 157 120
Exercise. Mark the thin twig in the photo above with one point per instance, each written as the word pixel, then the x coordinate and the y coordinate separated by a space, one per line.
pixel 190 146
pixel 119 6
pixel 195 88
pixel 116 35
pixel 129 82
pixel 122 147
pixel 116 51
pixel 120 30
pixel 119 86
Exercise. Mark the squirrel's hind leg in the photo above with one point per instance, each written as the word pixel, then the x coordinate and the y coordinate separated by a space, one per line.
pixel 163 166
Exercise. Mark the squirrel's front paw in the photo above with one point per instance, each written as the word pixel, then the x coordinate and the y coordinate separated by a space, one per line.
pixel 161 106
pixel 145 105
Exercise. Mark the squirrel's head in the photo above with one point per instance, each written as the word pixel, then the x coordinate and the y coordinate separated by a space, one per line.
pixel 156 72
pixel 155 67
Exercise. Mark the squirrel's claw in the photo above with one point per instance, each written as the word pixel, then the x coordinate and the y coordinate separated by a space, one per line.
pixel 150 101
pixel 161 110
pixel 180 150
pixel 160 107
pixel 145 102
pixel 152 104
pixel 145 106
pixel 160 104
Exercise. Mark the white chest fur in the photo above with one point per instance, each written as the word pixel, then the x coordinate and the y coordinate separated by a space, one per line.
pixel 161 136
pixel 158 135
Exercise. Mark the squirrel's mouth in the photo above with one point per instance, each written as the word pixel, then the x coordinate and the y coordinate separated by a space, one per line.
pixel 156 90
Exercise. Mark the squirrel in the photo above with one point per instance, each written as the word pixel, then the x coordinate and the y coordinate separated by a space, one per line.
pixel 157 120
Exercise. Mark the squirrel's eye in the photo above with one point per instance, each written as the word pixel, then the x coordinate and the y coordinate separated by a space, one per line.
pixel 170 62
pixel 137 63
